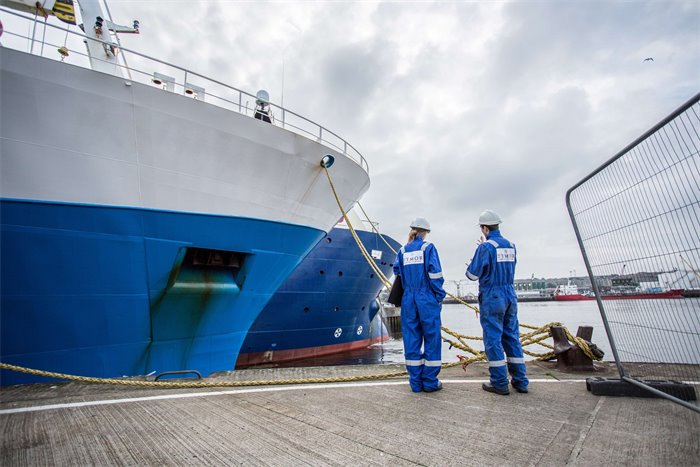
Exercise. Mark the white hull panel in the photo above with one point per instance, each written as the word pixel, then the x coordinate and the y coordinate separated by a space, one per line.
pixel 157 150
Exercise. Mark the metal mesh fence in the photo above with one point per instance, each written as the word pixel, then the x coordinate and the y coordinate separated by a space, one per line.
pixel 637 219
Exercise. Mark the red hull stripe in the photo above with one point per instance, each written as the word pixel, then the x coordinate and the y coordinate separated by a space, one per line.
pixel 637 296
pixel 277 356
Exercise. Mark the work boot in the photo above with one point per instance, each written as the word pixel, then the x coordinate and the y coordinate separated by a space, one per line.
pixel 488 388
pixel 439 386
pixel 521 390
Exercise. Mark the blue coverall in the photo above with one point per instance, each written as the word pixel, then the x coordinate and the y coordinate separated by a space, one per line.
pixel 418 265
pixel 493 266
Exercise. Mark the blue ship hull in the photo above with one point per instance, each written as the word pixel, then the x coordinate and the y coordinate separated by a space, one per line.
pixel 326 306
pixel 107 291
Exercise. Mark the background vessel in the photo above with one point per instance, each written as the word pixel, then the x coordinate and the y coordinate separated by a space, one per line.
pixel 327 305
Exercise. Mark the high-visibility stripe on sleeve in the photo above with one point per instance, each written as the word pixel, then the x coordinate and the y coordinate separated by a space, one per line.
pixel 516 360
pixel 401 251
pixel 494 363
pixel 472 276
pixel 435 275
pixel 415 362
pixel 493 243
pixel 433 363
pixel 425 245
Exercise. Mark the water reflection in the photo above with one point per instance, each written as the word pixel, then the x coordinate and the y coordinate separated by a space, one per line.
pixel 682 316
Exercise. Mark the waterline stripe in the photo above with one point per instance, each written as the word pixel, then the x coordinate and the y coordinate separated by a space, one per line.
pixel 304 387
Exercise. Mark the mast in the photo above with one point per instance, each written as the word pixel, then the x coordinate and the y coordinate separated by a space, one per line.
pixel 103 56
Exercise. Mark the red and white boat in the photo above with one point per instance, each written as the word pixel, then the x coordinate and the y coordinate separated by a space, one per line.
pixel 569 292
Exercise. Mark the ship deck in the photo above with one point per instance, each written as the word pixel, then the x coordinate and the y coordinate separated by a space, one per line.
pixel 368 423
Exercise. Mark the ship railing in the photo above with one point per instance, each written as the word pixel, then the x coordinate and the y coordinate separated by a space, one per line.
pixel 170 77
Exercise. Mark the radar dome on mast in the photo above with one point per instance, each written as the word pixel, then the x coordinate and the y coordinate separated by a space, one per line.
pixel 262 104
pixel 262 97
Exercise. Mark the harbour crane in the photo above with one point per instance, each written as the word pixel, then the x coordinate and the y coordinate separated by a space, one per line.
pixel 684 274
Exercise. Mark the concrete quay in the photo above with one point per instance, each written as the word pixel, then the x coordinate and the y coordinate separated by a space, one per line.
pixel 361 423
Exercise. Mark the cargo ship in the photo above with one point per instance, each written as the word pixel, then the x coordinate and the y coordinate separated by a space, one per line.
pixel 147 215
pixel 569 293
pixel 329 303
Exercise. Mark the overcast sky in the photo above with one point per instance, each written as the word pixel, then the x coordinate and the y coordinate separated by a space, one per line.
pixel 457 106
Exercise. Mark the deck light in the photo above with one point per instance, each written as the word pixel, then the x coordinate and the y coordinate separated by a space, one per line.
pixel 98 26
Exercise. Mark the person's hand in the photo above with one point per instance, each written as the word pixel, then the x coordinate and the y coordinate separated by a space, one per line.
pixel 481 240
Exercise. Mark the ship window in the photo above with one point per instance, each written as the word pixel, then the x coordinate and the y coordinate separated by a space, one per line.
pixel 340 273
pixel 337 308
pixel 371 276
pixel 306 309
pixel 322 272
pixel 363 308
pixel 329 239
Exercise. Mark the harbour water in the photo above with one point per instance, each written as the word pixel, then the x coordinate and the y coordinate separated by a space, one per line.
pixel 463 320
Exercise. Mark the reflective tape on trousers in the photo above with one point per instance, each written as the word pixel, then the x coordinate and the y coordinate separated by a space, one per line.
pixel 414 362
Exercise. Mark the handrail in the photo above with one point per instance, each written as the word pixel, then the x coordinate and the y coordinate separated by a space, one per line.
pixel 317 133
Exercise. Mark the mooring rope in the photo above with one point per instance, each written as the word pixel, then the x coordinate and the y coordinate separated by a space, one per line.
pixel 478 355
pixel 536 336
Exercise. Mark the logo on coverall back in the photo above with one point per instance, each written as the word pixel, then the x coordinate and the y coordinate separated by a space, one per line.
pixel 505 255
pixel 413 257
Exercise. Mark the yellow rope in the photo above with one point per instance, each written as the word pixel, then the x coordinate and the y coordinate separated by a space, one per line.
pixel 196 384
pixel 375 228
pixel 577 340
pixel 362 248
pixel 371 262
pixel 536 336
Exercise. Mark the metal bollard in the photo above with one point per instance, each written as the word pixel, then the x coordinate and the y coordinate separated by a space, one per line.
pixel 569 356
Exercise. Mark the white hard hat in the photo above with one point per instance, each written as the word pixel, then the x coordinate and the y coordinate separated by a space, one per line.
pixel 489 217
pixel 420 223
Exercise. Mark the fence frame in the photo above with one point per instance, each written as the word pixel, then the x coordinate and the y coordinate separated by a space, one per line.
pixel 594 284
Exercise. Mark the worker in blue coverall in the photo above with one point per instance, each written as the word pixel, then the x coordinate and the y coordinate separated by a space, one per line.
pixel 418 265
pixel 493 266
